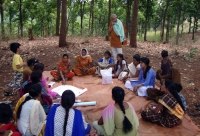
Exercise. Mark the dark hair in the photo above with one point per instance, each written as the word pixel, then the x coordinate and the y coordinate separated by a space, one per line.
pixel 164 53
pixel 65 55
pixel 84 50
pixel 174 89
pixel 122 57
pixel 118 96
pixel 35 78
pixel 146 61
pixel 32 61
pixel 39 66
pixel 108 52
pixel 14 46
pixel 67 101
pixel 34 91
pixel 137 57
pixel 6 113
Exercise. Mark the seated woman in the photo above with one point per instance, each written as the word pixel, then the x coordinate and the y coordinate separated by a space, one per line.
pixel 53 95
pixel 29 68
pixel 146 79
pixel 169 110
pixel 63 120
pixel 64 71
pixel 84 64
pixel 35 78
pixel 120 66
pixel 105 62
pixel 117 119
pixel 6 118
pixel 31 117
pixel 133 68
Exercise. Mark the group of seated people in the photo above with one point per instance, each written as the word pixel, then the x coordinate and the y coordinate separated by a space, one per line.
pixel 35 113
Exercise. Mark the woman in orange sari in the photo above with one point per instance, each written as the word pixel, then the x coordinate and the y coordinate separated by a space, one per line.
pixel 83 64
pixel 63 71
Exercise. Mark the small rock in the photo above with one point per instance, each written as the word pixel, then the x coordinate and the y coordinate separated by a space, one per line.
pixel 43 54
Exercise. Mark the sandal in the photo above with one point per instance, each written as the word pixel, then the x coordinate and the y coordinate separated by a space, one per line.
pixel 193 113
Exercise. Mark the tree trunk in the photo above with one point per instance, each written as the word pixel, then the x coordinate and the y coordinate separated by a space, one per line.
pixel 168 27
pixel 109 15
pixel 182 22
pixel 146 21
pixel 58 17
pixel 193 30
pixel 2 20
pixel 20 18
pixel 128 16
pixel 133 38
pixel 163 22
pixel 178 24
pixel 81 12
pixel 92 17
pixel 189 31
pixel 62 38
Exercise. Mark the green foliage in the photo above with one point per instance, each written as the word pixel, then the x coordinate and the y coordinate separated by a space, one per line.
pixel 193 52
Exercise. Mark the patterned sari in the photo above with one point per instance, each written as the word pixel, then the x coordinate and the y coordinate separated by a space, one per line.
pixel 170 116
pixel 82 66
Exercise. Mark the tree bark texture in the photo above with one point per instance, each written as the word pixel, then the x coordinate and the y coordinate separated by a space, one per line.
pixel 133 37
pixel 63 30
pixel 58 17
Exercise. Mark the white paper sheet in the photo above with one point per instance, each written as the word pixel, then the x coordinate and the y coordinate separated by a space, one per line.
pixel 77 91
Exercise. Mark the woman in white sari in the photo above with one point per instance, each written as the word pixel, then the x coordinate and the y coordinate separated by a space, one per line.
pixel 31 117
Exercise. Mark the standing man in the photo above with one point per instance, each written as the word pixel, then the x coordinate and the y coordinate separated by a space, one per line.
pixel 117 36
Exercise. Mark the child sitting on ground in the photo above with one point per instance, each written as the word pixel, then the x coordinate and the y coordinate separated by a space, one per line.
pixel 17 65
pixel 120 66
pixel 166 64
pixel 6 118
pixel 105 62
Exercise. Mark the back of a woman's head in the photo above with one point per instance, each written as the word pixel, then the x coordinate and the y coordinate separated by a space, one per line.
pixel 145 60
pixel 39 67
pixel 118 96
pixel 67 99
pixel 36 76
pixel 173 89
pixel 35 90
pixel 5 113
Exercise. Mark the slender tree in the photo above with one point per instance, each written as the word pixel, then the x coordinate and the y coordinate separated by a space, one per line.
pixel 2 19
pixel 179 17
pixel 63 30
pixel 133 38
pixel 58 17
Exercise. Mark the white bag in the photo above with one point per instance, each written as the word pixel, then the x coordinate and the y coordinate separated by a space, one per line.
pixel 106 76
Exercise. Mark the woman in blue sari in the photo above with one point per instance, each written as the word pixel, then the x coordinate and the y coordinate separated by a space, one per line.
pixel 145 80
pixel 63 120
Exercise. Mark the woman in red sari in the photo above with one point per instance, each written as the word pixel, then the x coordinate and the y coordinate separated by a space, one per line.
pixel 63 71
pixel 6 117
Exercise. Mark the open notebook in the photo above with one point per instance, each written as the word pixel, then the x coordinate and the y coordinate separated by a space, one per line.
pixel 77 91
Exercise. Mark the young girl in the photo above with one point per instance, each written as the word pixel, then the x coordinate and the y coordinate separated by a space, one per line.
pixel 133 68
pixel 105 62
pixel 146 79
pixel 118 119
pixel 120 65
pixel 6 117
pixel 64 71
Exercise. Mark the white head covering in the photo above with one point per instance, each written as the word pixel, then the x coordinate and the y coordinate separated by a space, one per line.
pixel 87 54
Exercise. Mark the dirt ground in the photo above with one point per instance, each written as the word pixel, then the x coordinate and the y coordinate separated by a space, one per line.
pixel 48 52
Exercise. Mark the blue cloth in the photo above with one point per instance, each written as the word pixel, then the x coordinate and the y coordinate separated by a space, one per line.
pixel 78 126
pixel 149 81
pixel 110 60
pixel 119 29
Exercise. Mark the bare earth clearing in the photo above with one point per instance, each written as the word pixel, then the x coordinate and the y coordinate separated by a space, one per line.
pixel 48 52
